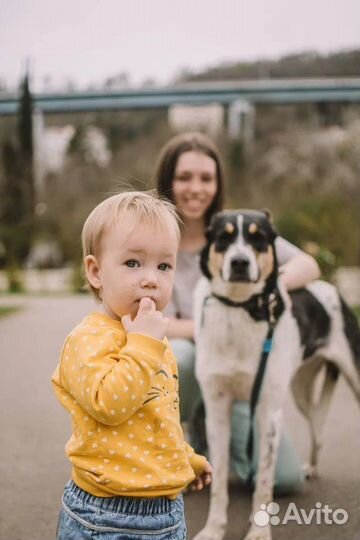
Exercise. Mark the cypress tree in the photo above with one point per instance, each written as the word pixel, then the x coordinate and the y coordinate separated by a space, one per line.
pixel 26 151
pixel 17 198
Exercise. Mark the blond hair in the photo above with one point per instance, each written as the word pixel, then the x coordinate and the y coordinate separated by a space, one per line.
pixel 145 206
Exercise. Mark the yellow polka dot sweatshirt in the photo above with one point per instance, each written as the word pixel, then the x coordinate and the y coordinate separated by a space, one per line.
pixel 122 393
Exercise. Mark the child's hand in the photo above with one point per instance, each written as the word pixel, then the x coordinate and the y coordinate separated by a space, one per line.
pixel 148 321
pixel 204 479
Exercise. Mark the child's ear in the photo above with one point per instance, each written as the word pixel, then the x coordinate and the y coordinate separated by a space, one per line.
pixel 92 271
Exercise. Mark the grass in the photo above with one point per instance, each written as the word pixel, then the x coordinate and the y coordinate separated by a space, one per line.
pixel 8 310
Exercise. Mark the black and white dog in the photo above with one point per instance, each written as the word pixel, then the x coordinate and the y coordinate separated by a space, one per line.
pixel 253 342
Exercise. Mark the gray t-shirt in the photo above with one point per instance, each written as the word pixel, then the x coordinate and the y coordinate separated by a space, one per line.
pixel 188 272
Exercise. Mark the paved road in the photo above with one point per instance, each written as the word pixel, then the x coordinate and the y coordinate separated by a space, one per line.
pixel 34 428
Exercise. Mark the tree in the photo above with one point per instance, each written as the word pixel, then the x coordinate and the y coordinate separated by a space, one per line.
pixel 18 193
pixel 26 150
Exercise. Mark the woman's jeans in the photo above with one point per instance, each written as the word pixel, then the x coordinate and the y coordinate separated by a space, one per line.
pixel 84 516
pixel 289 475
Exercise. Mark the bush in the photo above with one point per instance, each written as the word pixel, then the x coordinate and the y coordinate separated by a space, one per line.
pixel 325 226
pixel 15 284
pixel 78 281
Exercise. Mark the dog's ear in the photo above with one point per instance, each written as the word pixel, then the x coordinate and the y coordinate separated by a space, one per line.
pixel 270 219
pixel 204 254
pixel 268 214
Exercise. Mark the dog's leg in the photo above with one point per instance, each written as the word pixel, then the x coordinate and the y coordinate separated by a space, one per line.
pixel 317 416
pixel 313 389
pixel 269 423
pixel 218 405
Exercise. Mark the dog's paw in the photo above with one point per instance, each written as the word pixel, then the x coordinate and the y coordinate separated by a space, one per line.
pixel 259 533
pixel 210 532
pixel 310 471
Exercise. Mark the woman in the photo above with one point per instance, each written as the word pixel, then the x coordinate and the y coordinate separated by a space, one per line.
pixel 189 172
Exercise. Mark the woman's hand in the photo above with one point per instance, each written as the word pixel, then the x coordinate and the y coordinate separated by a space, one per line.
pixel 299 271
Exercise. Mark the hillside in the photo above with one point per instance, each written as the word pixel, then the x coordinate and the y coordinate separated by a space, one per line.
pixel 306 64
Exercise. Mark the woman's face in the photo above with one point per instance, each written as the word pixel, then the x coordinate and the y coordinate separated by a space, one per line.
pixel 195 184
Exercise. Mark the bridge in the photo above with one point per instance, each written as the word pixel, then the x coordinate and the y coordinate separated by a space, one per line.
pixel 269 91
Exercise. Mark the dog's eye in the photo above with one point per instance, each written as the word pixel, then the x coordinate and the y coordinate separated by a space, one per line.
pixel 223 240
pixel 258 235
pixel 224 234
pixel 259 240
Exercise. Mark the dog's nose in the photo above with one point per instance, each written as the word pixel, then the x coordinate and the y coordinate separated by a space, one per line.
pixel 239 264
pixel 239 268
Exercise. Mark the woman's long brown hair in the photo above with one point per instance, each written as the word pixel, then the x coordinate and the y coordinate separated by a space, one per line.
pixel 166 165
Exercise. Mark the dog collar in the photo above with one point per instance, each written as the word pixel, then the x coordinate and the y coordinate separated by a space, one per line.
pixel 262 307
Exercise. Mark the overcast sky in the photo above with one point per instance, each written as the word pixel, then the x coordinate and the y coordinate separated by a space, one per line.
pixel 89 40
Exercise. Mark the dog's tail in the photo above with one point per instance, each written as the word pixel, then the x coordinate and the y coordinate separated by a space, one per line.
pixel 352 332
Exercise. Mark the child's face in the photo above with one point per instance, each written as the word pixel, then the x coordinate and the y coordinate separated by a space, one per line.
pixel 136 261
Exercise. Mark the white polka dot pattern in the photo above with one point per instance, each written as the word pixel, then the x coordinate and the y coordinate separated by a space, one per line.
pixel 124 406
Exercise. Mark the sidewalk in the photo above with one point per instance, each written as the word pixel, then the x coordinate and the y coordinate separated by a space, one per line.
pixel 33 467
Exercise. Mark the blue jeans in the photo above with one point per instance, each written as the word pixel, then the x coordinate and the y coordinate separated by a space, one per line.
pixel 84 516
pixel 289 476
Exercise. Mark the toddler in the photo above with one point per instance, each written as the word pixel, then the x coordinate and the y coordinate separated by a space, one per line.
pixel 118 379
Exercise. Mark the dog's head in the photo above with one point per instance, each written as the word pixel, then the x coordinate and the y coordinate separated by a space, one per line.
pixel 240 247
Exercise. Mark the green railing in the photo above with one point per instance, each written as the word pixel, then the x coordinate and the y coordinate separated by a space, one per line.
pixel 261 91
